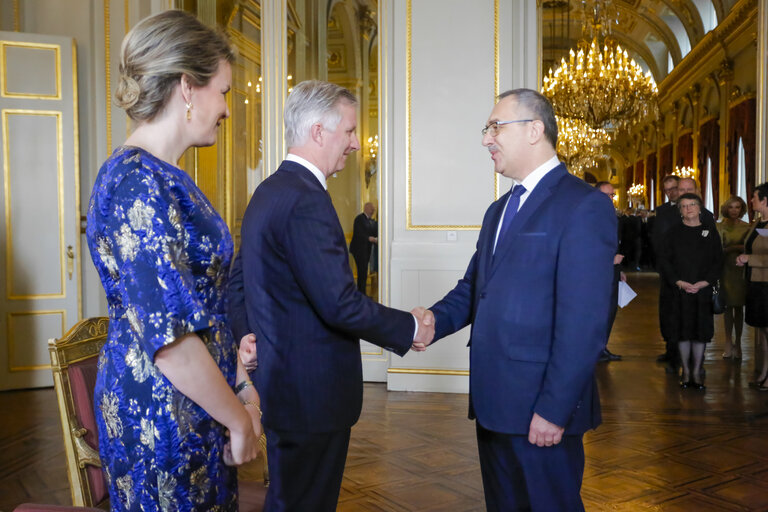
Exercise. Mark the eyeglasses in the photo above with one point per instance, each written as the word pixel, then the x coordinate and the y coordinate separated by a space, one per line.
pixel 493 128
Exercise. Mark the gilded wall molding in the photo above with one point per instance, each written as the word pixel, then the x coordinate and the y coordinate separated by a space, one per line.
pixel 409 225
pixel 107 77
pixel 429 371
pixel 9 252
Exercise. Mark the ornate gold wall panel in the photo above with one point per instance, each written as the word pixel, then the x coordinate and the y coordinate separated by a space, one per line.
pixel 428 371
pixel 32 53
pixel 16 344
pixel 410 225
pixel 10 149
pixel 107 76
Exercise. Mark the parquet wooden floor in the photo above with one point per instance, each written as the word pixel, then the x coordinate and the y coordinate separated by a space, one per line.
pixel 660 448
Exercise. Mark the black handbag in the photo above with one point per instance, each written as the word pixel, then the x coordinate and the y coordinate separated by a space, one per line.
pixel 718 300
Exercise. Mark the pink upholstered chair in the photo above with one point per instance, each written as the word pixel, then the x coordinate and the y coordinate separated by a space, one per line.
pixel 73 360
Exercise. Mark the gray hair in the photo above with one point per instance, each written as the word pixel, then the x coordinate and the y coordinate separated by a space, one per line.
pixel 311 102
pixel 157 52
pixel 540 108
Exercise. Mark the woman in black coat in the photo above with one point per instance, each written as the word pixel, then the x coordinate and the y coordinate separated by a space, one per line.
pixel 691 261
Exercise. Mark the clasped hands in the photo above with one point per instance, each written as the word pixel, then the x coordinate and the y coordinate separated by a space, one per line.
pixel 426 331
pixel 691 288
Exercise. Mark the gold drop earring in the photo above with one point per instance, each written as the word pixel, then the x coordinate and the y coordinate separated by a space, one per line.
pixel 189 111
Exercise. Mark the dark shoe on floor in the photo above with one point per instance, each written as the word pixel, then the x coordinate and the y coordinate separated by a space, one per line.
pixel 699 386
pixel 684 384
pixel 606 356
pixel 663 358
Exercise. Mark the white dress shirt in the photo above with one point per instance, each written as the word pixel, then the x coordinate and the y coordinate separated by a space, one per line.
pixel 529 183
pixel 309 165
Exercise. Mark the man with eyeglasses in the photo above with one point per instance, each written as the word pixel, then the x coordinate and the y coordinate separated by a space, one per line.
pixel 537 293
pixel 667 215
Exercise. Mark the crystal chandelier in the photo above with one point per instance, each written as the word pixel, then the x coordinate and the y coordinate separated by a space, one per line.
pixel 579 145
pixel 601 86
pixel 685 172
pixel 637 190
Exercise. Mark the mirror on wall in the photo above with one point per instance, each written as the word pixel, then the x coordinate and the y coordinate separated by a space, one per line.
pixel 333 40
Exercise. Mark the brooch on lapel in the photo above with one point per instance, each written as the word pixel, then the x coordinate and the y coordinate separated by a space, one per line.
pixel 705 233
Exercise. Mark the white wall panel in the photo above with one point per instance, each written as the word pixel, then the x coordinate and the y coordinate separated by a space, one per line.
pixel 444 63
pixel 451 81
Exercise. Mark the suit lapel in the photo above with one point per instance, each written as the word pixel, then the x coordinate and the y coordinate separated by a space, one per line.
pixel 540 193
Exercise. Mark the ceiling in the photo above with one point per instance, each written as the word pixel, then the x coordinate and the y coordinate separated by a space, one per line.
pixel 656 33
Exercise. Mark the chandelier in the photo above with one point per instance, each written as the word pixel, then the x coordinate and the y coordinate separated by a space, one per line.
pixel 600 85
pixel 637 190
pixel 685 172
pixel 579 145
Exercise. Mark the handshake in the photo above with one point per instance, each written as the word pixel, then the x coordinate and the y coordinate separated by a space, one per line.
pixel 426 332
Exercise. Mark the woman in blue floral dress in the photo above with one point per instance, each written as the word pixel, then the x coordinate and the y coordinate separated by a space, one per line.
pixel 169 375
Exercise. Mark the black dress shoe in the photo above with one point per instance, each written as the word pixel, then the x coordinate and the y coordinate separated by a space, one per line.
pixel 684 384
pixel 611 355
pixel 604 357
pixel 698 386
pixel 663 358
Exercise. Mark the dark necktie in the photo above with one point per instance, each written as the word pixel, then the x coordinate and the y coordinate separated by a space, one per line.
pixel 512 206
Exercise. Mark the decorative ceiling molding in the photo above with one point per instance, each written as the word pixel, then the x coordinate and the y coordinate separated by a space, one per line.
pixel 712 43
pixel 688 14
pixel 657 26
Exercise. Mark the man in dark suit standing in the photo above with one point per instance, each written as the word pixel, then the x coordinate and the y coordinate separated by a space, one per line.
pixel 606 355
pixel 301 302
pixel 667 215
pixel 364 236
pixel 537 294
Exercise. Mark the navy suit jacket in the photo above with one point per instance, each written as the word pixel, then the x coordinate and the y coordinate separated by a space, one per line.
pixel 293 287
pixel 539 308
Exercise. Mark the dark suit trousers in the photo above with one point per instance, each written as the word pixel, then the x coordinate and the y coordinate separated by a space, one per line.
pixel 361 262
pixel 518 475
pixel 305 470
pixel 614 301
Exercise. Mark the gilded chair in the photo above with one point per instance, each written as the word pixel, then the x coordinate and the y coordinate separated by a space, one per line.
pixel 74 360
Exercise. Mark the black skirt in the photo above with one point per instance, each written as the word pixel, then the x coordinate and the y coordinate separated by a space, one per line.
pixel 756 313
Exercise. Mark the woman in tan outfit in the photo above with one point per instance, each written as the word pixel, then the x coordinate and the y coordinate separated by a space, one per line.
pixel 733 232
pixel 756 261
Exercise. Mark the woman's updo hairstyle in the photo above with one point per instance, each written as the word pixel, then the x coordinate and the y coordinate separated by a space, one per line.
pixel 157 51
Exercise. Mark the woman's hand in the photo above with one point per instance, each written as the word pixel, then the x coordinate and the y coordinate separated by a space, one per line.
pixel 243 445
pixel 742 259
pixel 247 352
pixel 700 285
pixel 686 286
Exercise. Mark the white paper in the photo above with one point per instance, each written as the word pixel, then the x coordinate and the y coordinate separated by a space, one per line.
pixel 762 232
pixel 626 294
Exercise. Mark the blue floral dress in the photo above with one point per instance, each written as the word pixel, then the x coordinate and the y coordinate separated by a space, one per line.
pixel 163 255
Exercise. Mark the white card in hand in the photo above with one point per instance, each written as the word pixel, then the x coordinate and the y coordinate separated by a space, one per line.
pixel 626 294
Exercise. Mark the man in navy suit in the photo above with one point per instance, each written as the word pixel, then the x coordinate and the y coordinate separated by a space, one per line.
pixel 293 288
pixel 537 293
